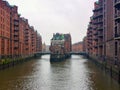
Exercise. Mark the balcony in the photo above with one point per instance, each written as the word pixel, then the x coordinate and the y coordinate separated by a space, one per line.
pixel 27 49
pixel 26 37
pixel 26 29
pixel 26 40
pixel 90 27
pixel 26 34
pixel 16 46
pixel 97 9
pixel 117 36
pixel 32 34
pixel 100 43
pixel 16 39
pixel 16 34
pixel 90 39
pixel 94 27
pixel 16 29
pixel 98 16
pixel 117 17
pixel 95 33
pixel 26 43
pixel 100 28
pixel 95 38
pixel 98 22
pixel 117 4
pixel 95 45
pixel 100 34
pixel 16 24
pixel 32 37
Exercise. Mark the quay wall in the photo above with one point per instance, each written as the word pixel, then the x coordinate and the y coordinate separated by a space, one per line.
pixel 107 65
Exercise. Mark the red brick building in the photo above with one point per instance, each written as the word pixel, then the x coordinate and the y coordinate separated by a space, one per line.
pixel 103 34
pixel 67 43
pixel 17 37
pixel 91 38
pixel 22 26
pixel 33 41
pixel 38 42
pixel 109 30
pixel 117 28
pixel 4 29
pixel 85 44
pixel 15 49
pixel 100 29
pixel 61 43
pixel 77 47
pixel 98 23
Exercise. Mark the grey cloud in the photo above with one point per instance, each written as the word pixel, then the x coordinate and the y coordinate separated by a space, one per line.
pixel 51 16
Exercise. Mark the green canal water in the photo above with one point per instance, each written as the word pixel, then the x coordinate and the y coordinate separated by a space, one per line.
pixel 76 73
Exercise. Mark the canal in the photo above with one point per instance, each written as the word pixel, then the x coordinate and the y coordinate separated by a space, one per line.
pixel 76 73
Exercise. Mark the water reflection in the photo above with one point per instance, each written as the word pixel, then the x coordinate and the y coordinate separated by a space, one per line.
pixel 76 73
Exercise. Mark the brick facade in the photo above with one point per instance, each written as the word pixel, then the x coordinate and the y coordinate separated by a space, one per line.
pixel 117 28
pixel 103 34
pixel 85 45
pixel 77 47
pixel 109 29
pixel 61 43
pixel 4 29
pixel 17 37
pixel 68 42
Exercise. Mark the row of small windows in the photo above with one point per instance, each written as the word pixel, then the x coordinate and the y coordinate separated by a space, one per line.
pixel 2 12
pixel 2 26
pixel 4 20
pixel 4 15
pixel 117 1
pixel 2 33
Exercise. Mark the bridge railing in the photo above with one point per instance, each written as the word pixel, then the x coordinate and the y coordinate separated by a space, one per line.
pixel 72 53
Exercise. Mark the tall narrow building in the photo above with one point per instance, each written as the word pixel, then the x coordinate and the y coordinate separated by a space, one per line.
pixel 109 29
pixel 4 29
pixel 117 29
pixel 90 40
pixel 99 26
pixel 17 37
pixel 15 31
pixel 100 30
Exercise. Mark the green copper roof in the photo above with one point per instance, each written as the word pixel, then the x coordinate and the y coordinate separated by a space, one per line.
pixel 62 36
pixel 58 36
pixel 97 2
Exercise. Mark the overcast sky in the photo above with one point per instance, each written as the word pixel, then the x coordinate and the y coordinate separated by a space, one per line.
pixel 51 16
